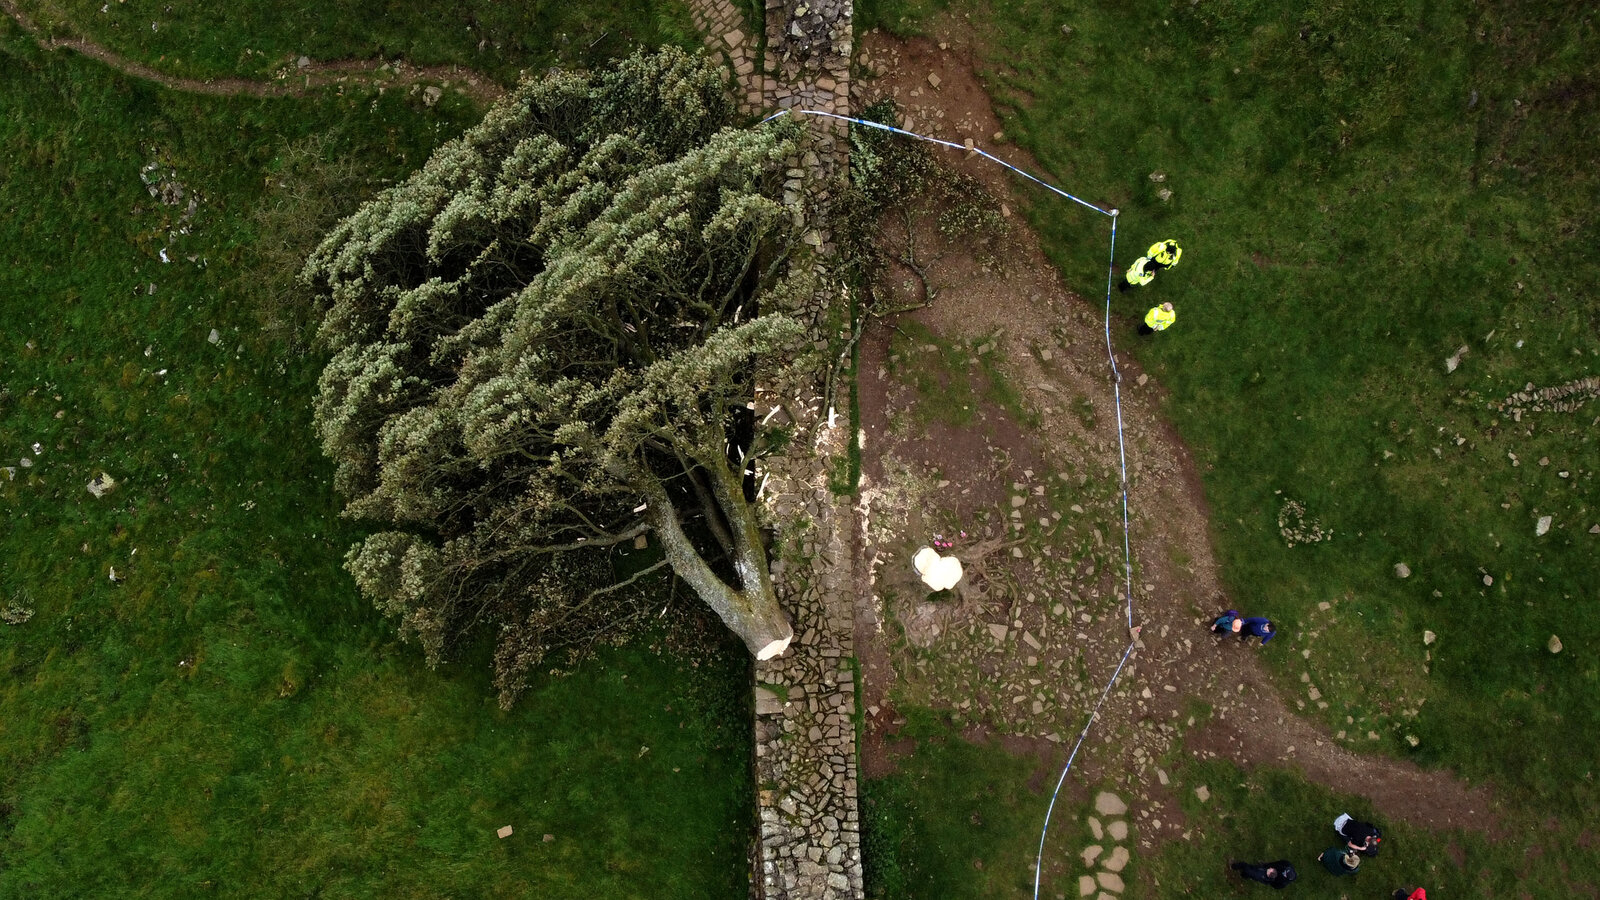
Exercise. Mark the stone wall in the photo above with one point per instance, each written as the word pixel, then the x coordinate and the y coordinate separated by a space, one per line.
pixel 805 728
pixel 808 845
pixel 805 724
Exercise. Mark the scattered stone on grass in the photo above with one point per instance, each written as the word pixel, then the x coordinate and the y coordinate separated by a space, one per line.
pixel 1401 570
pixel 1543 525
pixel 504 832
pixel 1203 793
pixel 1554 644
pixel 1428 637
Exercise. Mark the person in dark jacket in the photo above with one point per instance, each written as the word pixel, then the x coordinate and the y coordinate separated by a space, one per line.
pixel 1273 874
pixel 1223 624
pixel 1340 860
pixel 1257 626
pixel 1362 837
pixel 1245 627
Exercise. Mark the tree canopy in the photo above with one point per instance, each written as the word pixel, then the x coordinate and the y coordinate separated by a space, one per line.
pixel 540 343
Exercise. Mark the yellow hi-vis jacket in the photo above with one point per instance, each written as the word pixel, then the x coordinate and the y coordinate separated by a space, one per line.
pixel 1139 273
pixel 1158 319
pixel 1166 253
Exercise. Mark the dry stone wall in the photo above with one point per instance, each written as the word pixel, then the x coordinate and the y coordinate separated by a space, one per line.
pixel 808 845
pixel 805 723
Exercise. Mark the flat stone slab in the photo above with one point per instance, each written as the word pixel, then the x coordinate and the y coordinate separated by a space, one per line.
pixel 1118 830
pixel 1086 885
pixel 1091 853
pixel 1109 804
pixel 1111 881
pixel 1117 861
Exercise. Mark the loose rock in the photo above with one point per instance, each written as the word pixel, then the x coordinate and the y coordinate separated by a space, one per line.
pixel 1109 804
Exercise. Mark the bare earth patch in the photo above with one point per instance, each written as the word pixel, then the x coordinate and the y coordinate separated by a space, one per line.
pixel 988 421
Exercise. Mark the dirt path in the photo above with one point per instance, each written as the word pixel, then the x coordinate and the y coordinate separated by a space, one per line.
pixel 295 81
pixel 1031 483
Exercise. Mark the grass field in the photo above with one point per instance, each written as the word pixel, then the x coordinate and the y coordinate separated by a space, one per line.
pixel 959 820
pixel 228 718
pixel 210 39
pixel 1361 189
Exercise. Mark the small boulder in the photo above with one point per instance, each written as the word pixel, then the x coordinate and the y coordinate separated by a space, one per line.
pixel 1428 637
pixel 1117 861
pixel 102 485
pixel 1542 527
pixel 1110 881
pixel 1109 804
pixel 1554 644
pixel 1401 570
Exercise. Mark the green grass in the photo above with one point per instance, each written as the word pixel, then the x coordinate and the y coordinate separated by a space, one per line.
pixel 1273 814
pixel 211 38
pixel 1360 189
pixel 231 719
pixel 958 820
pixel 941 372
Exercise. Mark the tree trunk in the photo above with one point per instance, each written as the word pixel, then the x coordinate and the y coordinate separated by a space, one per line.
pixel 749 609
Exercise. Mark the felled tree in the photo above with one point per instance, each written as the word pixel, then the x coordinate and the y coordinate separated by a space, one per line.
pixel 540 342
